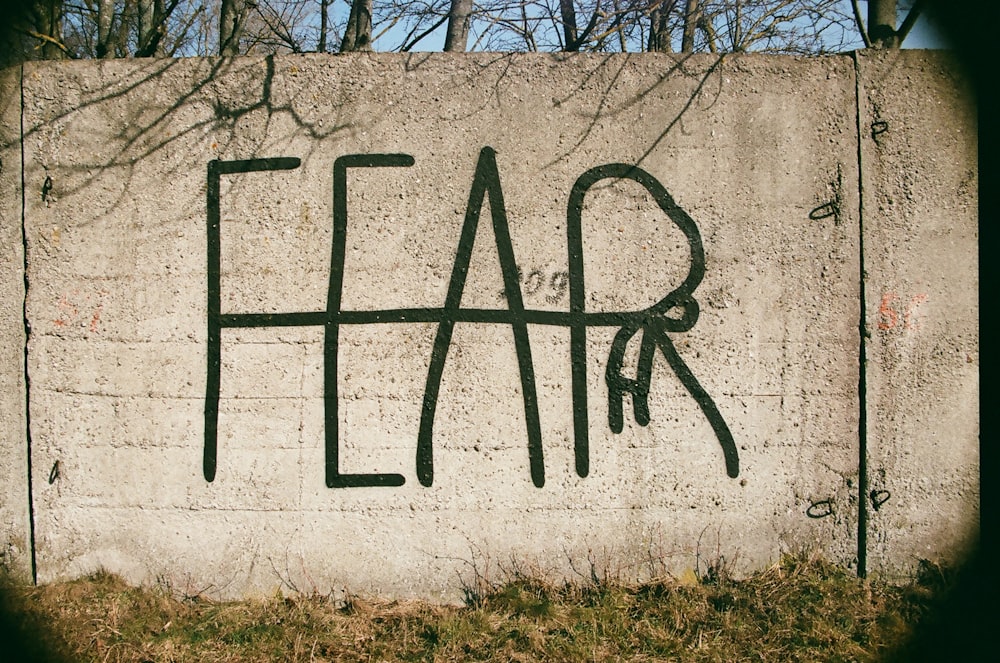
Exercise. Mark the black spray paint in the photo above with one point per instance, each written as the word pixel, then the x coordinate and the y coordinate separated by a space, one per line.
pixel 676 312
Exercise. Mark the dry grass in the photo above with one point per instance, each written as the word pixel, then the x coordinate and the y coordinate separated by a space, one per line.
pixel 798 610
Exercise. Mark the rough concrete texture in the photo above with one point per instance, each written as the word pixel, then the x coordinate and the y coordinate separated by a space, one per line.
pixel 919 165
pixel 15 519
pixel 464 394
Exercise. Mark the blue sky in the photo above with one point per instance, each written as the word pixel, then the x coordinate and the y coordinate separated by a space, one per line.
pixel 923 35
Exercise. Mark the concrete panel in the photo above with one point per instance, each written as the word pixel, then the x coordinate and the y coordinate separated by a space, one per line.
pixel 919 168
pixel 15 517
pixel 144 315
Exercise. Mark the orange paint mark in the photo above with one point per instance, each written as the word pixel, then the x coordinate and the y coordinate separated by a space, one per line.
pixel 96 319
pixel 67 312
pixel 887 316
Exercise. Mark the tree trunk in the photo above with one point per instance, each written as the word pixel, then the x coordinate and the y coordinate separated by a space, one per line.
pixel 568 14
pixel 145 12
pixel 105 13
pixel 48 24
pixel 690 25
pixel 152 28
pixel 358 34
pixel 659 31
pixel 457 38
pixel 324 19
pixel 882 23
pixel 232 17
pixel 706 27
pixel 118 42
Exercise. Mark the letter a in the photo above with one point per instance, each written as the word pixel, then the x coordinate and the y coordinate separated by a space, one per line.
pixel 486 181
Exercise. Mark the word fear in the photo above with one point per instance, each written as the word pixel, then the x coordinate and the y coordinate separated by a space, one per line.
pixel 676 312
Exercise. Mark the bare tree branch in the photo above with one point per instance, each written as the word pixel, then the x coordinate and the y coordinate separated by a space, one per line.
pixel 910 20
pixel 861 24
pixel 423 34
pixel 45 38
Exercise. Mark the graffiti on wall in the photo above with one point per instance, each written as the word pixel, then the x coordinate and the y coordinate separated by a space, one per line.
pixel 676 312
pixel 892 315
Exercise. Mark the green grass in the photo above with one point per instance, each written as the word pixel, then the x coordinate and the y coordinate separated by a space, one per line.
pixel 798 610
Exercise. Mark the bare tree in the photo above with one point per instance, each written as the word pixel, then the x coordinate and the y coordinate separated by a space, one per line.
pixel 459 17
pixel 232 19
pixel 659 26
pixel 48 29
pixel 568 14
pixel 771 26
pixel 573 39
pixel 777 26
pixel 105 14
pixel 123 28
pixel 139 28
pixel 152 26
pixel 358 34
pixel 282 26
pixel 881 30
pixel 147 24
pixel 691 15
pixel 324 23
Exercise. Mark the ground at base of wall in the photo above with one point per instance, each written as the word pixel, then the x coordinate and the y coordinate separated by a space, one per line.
pixel 799 609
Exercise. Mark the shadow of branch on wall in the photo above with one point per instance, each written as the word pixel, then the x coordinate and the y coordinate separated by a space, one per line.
pixel 681 68
pixel 134 99
pixel 603 73
pixel 164 109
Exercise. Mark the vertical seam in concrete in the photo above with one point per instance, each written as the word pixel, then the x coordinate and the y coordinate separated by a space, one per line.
pixel 27 335
pixel 862 350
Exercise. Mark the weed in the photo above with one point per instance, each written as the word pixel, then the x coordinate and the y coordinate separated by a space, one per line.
pixel 799 609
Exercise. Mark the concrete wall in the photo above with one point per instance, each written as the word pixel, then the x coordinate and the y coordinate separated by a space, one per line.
pixel 346 322
pixel 15 517
pixel 920 179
